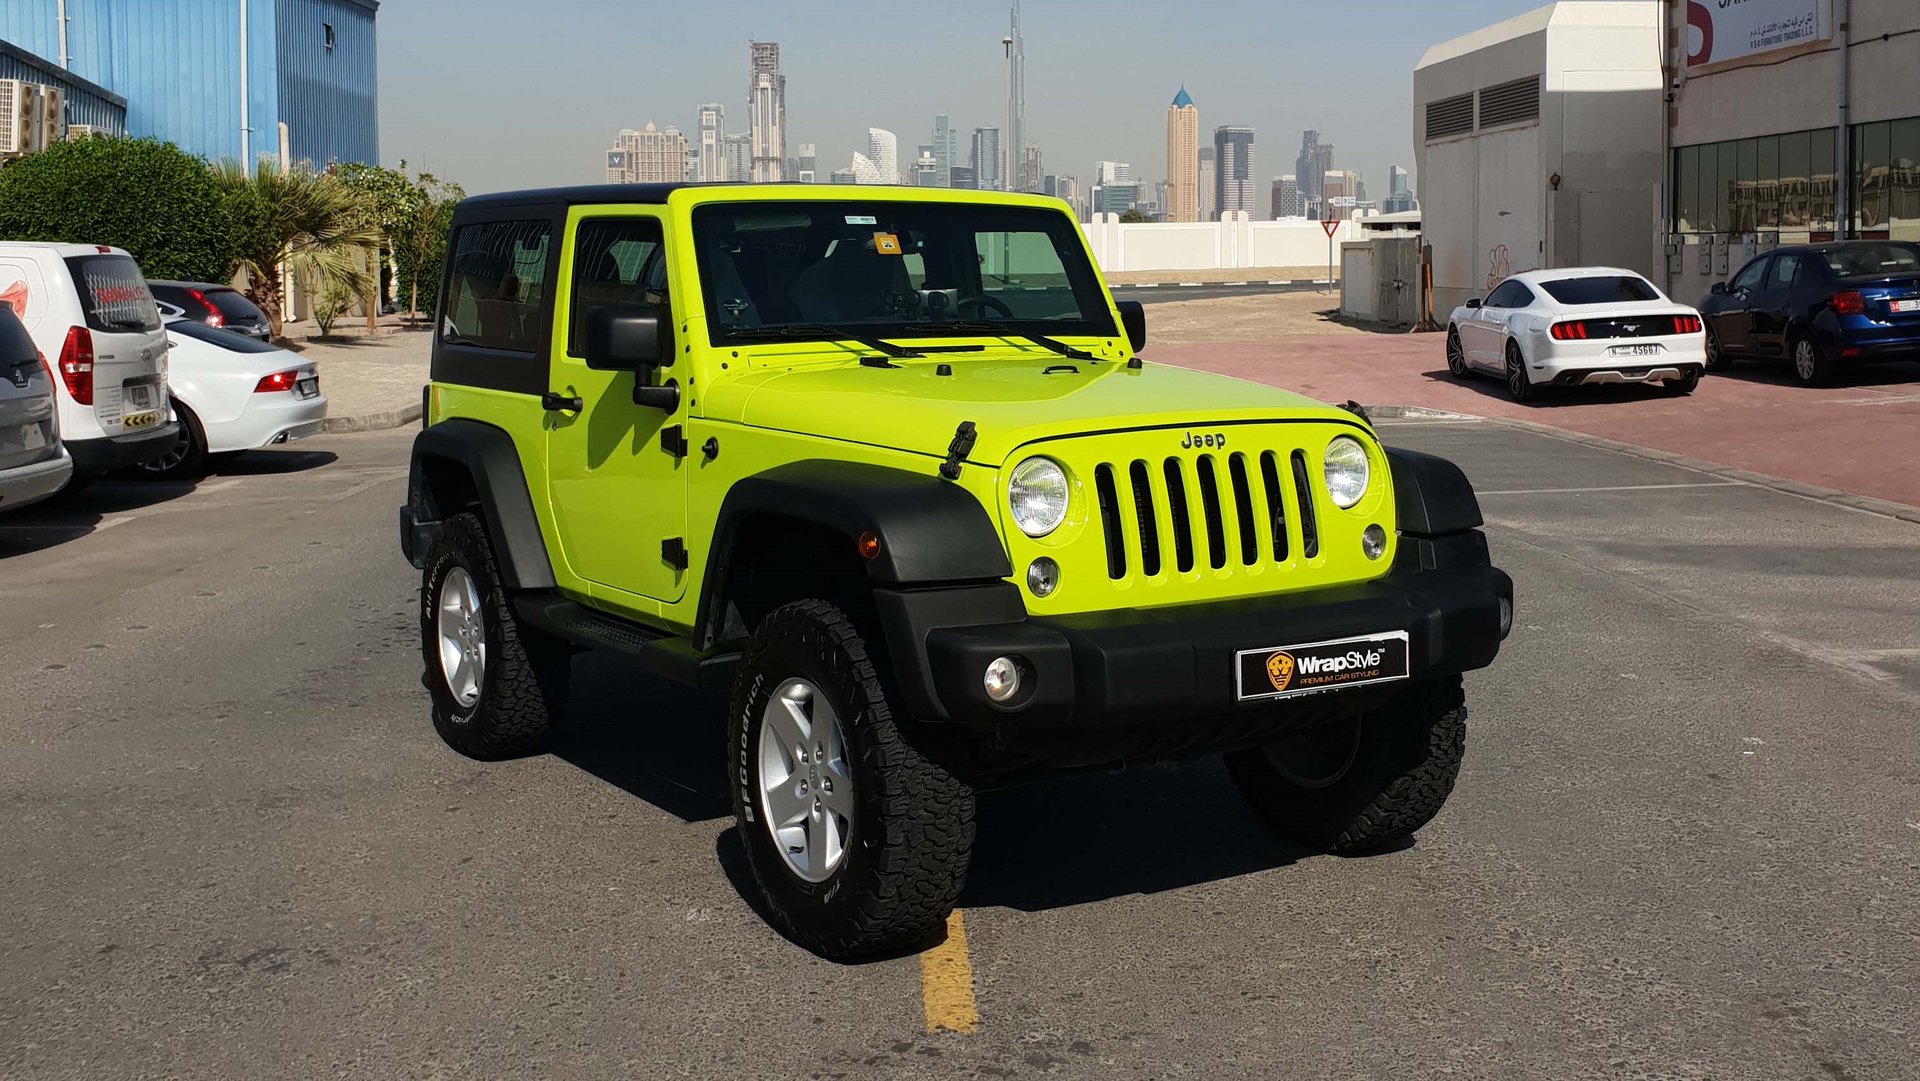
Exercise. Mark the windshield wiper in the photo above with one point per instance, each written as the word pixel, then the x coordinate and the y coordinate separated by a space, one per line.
pixel 1055 344
pixel 818 332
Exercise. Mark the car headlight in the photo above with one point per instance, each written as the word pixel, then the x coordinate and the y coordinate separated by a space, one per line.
pixel 1347 470
pixel 1037 496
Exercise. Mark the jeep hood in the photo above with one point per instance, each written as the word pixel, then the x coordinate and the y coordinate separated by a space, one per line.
pixel 1012 402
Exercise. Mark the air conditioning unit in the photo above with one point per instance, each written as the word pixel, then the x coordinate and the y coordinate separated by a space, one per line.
pixel 81 131
pixel 53 116
pixel 18 117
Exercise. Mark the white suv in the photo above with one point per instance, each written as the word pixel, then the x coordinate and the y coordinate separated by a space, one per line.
pixel 89 311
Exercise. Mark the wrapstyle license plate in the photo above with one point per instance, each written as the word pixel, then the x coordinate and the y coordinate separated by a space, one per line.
pixel 1314 667
pixel 1634 351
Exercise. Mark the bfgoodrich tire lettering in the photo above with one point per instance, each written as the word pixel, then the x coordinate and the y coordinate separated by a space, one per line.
pixel 522 685
pixel 1408 756
pixel 911 836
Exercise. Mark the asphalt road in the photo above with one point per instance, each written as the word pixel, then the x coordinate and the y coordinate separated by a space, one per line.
pixel 1149 294
pixel 1686 843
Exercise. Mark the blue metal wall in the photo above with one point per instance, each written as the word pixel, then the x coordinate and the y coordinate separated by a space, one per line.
pixel 87 102
pixel 177 62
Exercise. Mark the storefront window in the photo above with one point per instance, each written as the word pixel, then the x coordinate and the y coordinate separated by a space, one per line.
pixel 1872 169
pixel 1784 183
pixel 1795 161
pixel 1766 185
pixel 1820 172
pixel 1686 189
pixel 1903 193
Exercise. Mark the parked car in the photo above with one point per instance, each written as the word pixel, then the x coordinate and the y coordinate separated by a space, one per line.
pixel 220 306
pixel 1576 327
pixel 231 394
pixel 87 307
pixel 1823 306
pixel 33 464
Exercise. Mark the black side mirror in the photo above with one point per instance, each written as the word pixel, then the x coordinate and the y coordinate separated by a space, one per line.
pixel 1133 317
pixel 633 338
pixel 1718 289
pixel 1473 302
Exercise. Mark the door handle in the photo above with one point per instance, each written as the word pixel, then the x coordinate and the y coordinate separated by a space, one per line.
pixel 561 403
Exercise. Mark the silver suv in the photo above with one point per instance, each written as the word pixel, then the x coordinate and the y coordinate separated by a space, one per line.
pixel 33 464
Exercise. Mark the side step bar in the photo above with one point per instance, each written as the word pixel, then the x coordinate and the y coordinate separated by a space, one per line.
pixel 668 656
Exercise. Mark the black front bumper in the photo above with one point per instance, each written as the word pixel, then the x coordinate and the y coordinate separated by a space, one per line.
pixel 97 457
pixel 1174 668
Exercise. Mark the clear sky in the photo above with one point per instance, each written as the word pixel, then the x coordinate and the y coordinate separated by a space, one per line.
pixel 523 93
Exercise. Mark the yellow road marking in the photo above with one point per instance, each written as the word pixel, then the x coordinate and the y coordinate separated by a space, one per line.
pixel 946 982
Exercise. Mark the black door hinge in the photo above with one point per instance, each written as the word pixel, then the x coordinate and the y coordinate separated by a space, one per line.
pixel 963 438
pixel 673 440
pixel 673 552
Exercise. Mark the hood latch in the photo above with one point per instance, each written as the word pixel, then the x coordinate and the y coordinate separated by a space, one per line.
pixel 957 451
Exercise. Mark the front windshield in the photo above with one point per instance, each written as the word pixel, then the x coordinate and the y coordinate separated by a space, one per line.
pixel 888 269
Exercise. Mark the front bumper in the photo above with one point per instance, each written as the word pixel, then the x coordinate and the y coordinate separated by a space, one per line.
pixel 1174 668
pixel 97 457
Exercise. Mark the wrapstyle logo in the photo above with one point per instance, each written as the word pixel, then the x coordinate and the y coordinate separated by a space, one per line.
pixel 1344 662
pixel 1208 439
pixel 1280 670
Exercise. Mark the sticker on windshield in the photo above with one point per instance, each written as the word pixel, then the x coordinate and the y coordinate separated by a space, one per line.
pixel 862 219
pixel 886 244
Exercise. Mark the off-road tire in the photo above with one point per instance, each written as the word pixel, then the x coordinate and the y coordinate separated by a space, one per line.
pixel 912 837
pixel 1457 355
pixel 1519 387
pixel 1717 360
pixel 1684 385
pixel 1407 760
pixel 523 686
pixel 1823 368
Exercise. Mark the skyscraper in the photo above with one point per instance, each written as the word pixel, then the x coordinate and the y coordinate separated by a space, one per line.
pixel 804 163
pixel 1233 170
pixel 1031 168
pixel 863 170
pixel 1206 183
pixel 1183 160
pixel 713 132
pixel 945 150
pixel 647 156
pixel 1399 195
pixel 883 150
pixel 1311 167
pixel 963 177
pixel 767 106
pixel 987 160
pixel 923 167
pixel 1112 172
pixel 737 152
pixel 1287 201
pixel 1015 142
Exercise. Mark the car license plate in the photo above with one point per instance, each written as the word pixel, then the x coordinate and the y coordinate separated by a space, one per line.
pixel 1316 667
pixel 139 396
pixel 1909 305
pixel 307 388
pixel 1634 351
pixel 140 420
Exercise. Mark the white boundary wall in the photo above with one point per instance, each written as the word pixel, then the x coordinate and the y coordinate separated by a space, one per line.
pixel 1235 242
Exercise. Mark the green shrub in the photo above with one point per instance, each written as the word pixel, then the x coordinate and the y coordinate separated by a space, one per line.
pixel 149 197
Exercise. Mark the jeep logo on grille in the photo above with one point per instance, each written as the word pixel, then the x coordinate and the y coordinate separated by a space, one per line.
pixel 1209 439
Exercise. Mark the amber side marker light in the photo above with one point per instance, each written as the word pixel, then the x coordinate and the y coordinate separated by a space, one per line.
pixel 869 544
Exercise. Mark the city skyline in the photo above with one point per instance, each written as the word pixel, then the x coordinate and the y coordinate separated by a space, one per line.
pixel 1267 75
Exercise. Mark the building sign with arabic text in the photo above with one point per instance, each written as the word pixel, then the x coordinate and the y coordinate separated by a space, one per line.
pixel 1720 30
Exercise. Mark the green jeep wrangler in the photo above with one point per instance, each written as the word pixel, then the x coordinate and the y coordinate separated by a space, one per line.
pixel 885 466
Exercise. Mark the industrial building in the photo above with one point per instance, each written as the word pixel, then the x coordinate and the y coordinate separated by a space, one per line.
pixel 221 78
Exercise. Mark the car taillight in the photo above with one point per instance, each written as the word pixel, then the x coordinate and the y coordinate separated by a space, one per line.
pixel 277 382
pixel 1849 302
pixel 1686 324
pixel 214 318
pixel 76 364
pixel 1568 331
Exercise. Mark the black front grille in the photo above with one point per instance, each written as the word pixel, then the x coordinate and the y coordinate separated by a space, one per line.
pixel 1210 507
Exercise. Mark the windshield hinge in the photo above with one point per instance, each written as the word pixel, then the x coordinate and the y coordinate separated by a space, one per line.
pixel 673 440
pixel 957 450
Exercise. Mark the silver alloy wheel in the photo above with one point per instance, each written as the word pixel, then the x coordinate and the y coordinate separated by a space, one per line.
pixel 1456 356
pixel 1516 374
pixel 1804 359
pixel 174 455
pixel 463 637
pixel 806 784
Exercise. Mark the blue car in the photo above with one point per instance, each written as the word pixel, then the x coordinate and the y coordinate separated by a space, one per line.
pixel 1825 307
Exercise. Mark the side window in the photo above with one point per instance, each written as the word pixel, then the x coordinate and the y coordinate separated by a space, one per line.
pixel 615 261
pixel 497 284
pixel 1749 276
pixel 1785 272
pixel 1510 294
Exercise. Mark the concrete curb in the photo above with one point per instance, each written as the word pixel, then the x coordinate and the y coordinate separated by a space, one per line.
pixel 1819 493
pixel 373 422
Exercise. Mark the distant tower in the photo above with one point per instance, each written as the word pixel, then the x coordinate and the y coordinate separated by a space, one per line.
pixel 1183 160
pixel 713 133
pixel 883 150
pixel 1206 183
pixel 988 157
pixel 946 149
pixel 1233 170
pixel 767 107
pixel 1015 140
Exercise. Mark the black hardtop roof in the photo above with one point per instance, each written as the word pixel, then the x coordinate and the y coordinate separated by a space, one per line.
pixel 587 194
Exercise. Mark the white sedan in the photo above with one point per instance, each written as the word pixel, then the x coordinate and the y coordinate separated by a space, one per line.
pixel 232 393
pixel 1575 327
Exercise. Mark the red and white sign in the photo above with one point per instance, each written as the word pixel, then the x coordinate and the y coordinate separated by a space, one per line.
pixel 1330 224
pixel 1719 30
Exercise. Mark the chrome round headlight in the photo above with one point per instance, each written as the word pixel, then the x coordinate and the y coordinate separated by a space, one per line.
pixel 1347 470
pixel 1037 496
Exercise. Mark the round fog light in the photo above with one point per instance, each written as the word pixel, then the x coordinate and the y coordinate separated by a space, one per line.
pixel 1002 679
pixel 1043 576
pixel 1373 541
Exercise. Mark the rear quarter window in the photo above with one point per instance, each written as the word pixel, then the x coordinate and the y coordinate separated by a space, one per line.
pixel 15 343
pixel 496 285
pixel 113 294
pixel 1611 289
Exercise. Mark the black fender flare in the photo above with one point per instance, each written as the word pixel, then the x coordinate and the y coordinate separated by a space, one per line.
pixel 1431 496
pixel 931 532
pixel 486 454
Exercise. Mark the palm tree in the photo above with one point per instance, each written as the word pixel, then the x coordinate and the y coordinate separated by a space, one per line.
pixel 312 223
